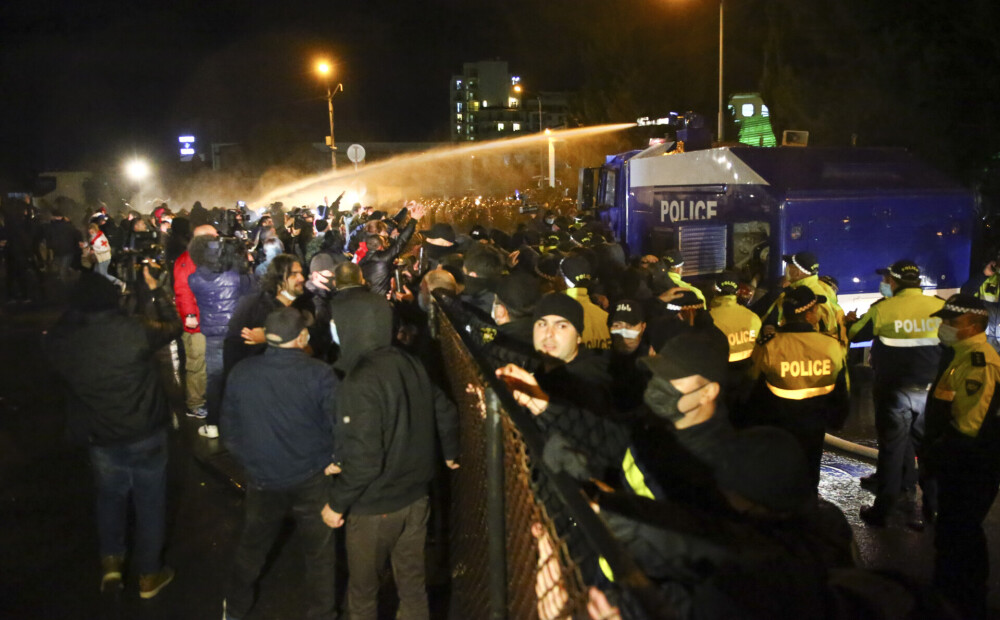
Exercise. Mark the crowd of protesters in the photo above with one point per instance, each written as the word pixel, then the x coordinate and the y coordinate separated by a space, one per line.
pixel 304 347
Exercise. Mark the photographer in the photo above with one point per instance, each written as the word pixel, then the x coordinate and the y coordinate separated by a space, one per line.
pixel 219 280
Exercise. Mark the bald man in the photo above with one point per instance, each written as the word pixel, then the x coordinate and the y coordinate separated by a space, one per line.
pixel 192 338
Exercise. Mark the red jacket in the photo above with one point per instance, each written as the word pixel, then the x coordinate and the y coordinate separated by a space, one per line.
pixel 183 297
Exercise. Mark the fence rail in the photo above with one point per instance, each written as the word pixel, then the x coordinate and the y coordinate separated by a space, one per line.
pixel 525 542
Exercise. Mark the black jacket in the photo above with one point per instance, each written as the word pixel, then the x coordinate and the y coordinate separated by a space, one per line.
pixel 105 360
pixel 389 414
pixel 277 416
pixel 377 266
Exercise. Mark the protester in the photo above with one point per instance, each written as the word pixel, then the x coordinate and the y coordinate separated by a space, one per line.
pixel 117 408
pixel 283 437
pixel 390 420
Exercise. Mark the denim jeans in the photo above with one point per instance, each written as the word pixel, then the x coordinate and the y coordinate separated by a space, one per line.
pixel 215 378
pixel 102 268
pixel 264 511
pixel 140 468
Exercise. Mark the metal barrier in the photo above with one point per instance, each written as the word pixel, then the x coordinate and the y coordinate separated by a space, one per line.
pixel 523 539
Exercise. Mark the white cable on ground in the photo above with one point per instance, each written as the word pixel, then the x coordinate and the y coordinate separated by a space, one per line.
pixel 849 446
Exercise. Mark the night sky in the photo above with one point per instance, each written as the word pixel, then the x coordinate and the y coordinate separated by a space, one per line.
pixel 89 81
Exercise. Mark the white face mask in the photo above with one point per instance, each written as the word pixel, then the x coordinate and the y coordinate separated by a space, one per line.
pixel 333 333
pixel 947 334
pixel 629 334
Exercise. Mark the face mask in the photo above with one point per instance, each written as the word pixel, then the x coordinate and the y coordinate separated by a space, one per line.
pixel 550 220
pixel 663 398
pixel 628 334
pixel 947 334
pixel 333 332
pixel 886 289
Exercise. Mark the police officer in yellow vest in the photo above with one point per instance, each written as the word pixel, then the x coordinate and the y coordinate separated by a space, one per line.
pixel 682 434
pixel 802 270
pixel 578 275
pixel 801 379
pixel 740 325
pixel 905 357
pixel 674 262
pixel 986 286
pixel 742 328
pixel 963 448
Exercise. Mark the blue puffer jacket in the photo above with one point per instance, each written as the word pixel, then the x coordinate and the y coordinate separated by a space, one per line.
pixel 217 294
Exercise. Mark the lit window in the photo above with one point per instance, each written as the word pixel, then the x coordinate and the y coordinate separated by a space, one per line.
pixel 458 128
pixel 746 110
pixel 458 117
pixel 512 102
pixel 458 83
pixel 499 126
pixel 473 106
pixel 485 104
pixel 516 126
pixel 458 107
pixel 763 111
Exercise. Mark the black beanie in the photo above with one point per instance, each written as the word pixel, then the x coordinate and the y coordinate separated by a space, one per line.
pixel 562 305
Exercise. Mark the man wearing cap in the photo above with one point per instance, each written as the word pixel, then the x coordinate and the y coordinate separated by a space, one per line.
pixel 513 303
pixel 986 286
pixel 740 325
pixel 904 357
pixel 282 434
pixel 628 345
pixel 962 448
pixel 800 376
pixel 802 269
pixel 674 262
pixel 578 276
pixel 680 442
pixel 439 241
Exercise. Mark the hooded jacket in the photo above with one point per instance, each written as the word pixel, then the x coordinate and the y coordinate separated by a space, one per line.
pixel 389 414
pixel 377 265
pixel 216 290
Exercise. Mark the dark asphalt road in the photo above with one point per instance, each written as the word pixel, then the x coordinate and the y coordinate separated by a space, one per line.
pixel 49 564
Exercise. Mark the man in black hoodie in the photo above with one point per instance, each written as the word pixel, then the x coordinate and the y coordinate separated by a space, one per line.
pixel 390 418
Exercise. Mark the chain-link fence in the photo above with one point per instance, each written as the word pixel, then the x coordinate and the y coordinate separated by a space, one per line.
pixel 525 543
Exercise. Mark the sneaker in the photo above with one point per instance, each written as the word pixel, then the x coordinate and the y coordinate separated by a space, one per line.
pixel 150 585
pixel 111 566
pixel 209 430
pixel 199 412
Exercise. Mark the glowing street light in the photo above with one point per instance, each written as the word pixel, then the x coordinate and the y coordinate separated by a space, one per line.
pixel 325 69
pixel 137 169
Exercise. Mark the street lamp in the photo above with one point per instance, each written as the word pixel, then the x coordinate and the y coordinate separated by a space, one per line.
pixel 325 69
pixel 720 71
pixel 136 169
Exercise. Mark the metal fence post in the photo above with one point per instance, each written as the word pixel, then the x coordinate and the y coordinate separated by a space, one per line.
pixel 495 520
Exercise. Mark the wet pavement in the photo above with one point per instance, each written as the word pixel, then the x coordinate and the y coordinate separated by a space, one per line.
pixel 49 566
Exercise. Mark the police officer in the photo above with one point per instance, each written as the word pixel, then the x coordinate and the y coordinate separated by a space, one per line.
pixel 986 286
pixel 801 379
pixel 802 269
pixel 674 262
pixel 963 445
pixel 905 357
pixel 741 327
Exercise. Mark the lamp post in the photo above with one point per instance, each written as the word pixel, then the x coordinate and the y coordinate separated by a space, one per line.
pixel 720 70
pixel 325 69
pixel 552 158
